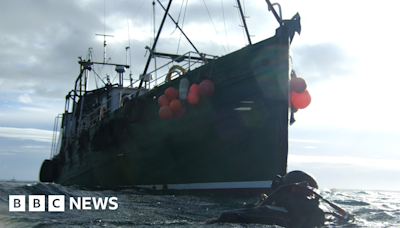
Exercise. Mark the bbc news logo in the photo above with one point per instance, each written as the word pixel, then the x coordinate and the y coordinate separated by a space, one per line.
pixel 56 203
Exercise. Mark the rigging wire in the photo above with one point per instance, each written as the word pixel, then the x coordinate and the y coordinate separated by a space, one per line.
pixel 98 77
pixel 179 16
pixel 98 69
pixel 89 58
pixel 214 26
pixel 183 21
pixel 180 11
pixel 92 57
pixel 130 53
pixel 136 14
pixel 119 44
pixel 226 34
pixel 114 77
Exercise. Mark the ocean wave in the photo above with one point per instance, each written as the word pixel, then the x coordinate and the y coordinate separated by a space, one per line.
pixel 142 208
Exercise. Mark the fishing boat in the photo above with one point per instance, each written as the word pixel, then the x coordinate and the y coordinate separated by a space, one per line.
pixel 221 124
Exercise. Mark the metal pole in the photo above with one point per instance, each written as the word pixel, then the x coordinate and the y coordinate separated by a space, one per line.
pixel 244 21
pixel 105 45
pixel 179 28
pixel 271 7
pixel 155 42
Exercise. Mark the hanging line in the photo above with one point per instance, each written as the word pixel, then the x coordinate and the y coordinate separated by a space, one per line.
pixel 179 16
pixel 214 26
pixel 183 21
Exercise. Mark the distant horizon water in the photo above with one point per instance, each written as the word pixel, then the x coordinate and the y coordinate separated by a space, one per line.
pixel 321 188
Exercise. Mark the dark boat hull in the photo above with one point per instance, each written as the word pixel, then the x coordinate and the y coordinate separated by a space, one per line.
pixel 234 140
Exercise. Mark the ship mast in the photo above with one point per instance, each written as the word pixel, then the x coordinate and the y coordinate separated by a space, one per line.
pixel 244 21
pixel 152 50
pixel 177 25
pixel 155 43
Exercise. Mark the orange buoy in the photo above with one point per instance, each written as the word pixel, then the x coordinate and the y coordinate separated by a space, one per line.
pixel 181 112
pixel 175 105
pixel 171 93
pixel 298 85
pixel 165 112
pixel 163 100
pixel 194 96
pixel 300 100
pixel 206 88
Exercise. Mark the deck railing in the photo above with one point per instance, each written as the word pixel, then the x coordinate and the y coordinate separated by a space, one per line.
pixel 56 135
pixel 187 65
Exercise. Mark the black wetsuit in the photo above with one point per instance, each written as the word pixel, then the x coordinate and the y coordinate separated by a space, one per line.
pixel 299 201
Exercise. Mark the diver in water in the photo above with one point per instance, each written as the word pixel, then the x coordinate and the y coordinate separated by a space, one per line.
pixel 293 203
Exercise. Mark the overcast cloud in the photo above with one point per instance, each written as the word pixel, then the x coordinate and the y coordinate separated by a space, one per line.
pixel 323 61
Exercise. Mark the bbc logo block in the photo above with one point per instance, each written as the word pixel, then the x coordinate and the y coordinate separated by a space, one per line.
pixel 16 203
pixel 56 203
pixel 37 203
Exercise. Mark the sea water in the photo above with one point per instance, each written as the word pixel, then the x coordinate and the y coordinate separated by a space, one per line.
pixel 141 208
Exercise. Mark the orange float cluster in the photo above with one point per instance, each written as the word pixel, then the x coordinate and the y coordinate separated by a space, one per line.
pixel 171 106
pixel 299 96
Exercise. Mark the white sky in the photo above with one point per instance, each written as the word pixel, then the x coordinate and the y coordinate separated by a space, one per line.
pixel 347 52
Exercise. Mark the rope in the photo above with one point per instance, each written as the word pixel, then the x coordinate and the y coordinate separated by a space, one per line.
pixel 180 11
pixel 98 77
pixel 214 26
pixel 98 69
pixel 183 21
pixel 179 16
pixel 114 78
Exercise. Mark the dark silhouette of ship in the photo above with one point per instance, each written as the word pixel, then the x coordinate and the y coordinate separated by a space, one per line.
pixel 235 137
